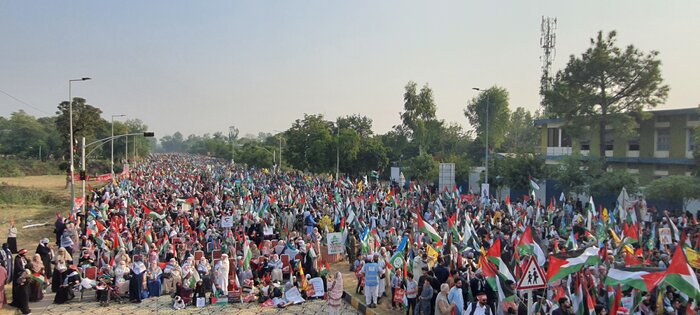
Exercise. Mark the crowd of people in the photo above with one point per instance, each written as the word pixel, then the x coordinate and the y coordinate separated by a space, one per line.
pixel 206 232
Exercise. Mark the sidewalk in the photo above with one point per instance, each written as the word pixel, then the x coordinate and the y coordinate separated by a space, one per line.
pixel 358 300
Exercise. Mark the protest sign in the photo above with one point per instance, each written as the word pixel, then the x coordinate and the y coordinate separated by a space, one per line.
pixel 317 284
pixel 335 243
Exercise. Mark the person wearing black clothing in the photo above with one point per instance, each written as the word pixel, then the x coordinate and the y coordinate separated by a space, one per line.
pixel 564 307
pixel 441 272
pixel 59 228
pixel 45 252
pixel 435 283
pixel 69 278
pixel 20 287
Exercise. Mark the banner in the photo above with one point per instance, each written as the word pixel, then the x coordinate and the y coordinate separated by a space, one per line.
pixel 103 178
pixel 227 222
pixel 293 296
pixel 317 284
pixel 665 236
pixel 335 243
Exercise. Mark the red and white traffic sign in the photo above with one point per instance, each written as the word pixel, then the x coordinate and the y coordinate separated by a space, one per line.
pixel 533 276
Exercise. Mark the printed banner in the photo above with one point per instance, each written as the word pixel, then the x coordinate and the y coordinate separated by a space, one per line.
pixel 335 243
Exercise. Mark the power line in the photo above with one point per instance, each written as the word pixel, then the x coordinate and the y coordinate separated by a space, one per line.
pixel 23 102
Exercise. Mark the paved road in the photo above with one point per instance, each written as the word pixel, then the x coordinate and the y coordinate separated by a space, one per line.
pixel 163 305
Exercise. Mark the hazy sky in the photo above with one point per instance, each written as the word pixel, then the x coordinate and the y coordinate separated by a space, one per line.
pixel 201 66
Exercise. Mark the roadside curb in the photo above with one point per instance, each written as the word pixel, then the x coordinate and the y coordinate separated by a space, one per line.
pixel 355 302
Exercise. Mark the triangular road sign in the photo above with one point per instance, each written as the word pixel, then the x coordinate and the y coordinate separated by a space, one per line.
pixel 533 276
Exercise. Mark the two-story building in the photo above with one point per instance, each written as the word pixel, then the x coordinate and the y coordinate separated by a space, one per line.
pixel 662 145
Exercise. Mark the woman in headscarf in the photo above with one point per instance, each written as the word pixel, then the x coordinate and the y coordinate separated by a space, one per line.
pixel 172 274
pixel 137 281
pixel 69 278
pixel 46 254
pixel 204 270
pixel 221 271
pixel 153 274
pixel 121 273
pixel 35 286
pixel 276 266
pixel 61 262
pixel 335 294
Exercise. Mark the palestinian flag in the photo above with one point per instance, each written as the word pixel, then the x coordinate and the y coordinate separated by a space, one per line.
pixel 562 265
pixel 680 276
pixel 38 278
pixel 247 254
pixel 494 255
pixel 528 247
pixel 428 229
pixel 496 282
pixel 643 279
pixel 396 260
pixel 151 214
pixel 451 221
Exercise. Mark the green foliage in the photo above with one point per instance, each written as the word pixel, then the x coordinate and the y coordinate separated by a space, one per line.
pixel 516 170
pixel 674 188
pixel 462 166
pixel 13 195
pixel 571 175
pixel 606 85
pixel 419 118
pixel 86 121
pixel 495 100
pixel 25 167
pixel 611 183
pixel 255 154
pixel 522 135
pixel 423 168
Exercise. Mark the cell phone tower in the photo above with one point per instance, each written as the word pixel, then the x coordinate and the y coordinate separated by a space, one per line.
pixel 548 40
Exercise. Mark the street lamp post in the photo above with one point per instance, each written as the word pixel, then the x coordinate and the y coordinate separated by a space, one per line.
pixel 279 137
pixel 337 153
pixel 486 149
pixel 70 123
pixel 111 168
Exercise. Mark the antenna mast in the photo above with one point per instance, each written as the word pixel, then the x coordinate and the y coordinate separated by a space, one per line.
pixel 548 40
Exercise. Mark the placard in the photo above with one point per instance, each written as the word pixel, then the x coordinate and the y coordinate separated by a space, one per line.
pixel 317 284
pixel 293 296
pixel 227 221
pixel 665 236
pixel 335 243
pixel 268 230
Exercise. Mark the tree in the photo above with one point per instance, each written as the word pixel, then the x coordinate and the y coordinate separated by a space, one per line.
pixel 22 135
pixel 678 189
pixel 517 170
pixel 571 174
pixel 423 168
pixel 255 154
pixel 174 143
pixel 611 183
pixel 604 86
pixel 143 146
pixel 361 124
pixel 86 120
pixel 371 156
pixel 495 99
pixel 310 145
pixel 522 135
pixel 349 146
pixel 418 116
pixel 462 166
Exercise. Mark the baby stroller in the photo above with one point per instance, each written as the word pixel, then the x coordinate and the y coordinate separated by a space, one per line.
pixel 106 292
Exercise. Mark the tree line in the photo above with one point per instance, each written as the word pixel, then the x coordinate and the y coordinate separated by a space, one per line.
pixel 25 137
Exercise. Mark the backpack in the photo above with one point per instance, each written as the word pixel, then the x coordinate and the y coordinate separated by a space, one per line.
pixel 474 306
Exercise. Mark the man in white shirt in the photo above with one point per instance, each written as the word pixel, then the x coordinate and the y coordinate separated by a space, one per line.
pixel 480 307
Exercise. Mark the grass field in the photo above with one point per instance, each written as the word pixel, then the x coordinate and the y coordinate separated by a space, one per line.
pixel 31 200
